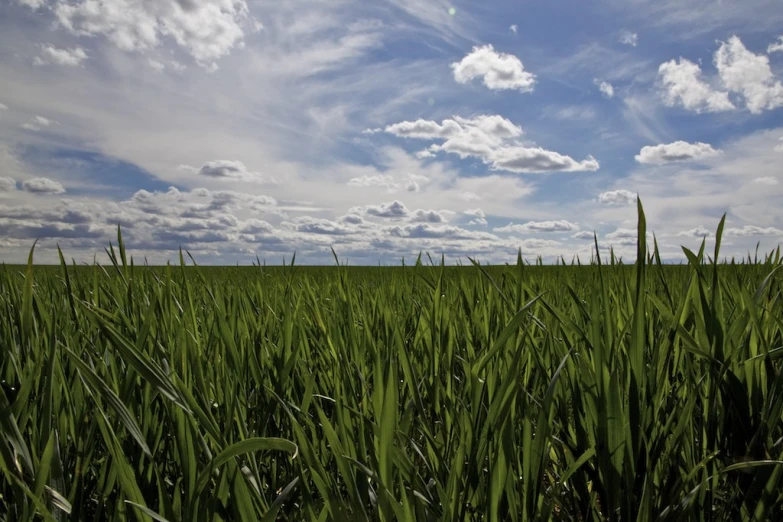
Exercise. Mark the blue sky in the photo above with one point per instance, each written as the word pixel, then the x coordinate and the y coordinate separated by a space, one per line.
pixel 244 128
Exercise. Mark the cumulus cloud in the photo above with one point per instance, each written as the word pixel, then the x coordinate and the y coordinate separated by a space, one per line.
pixel 622 237
pixel 42 186
pixel 752 230
pixel 539 226
pixel 7 184
pixel 765 180
pixel 313 225
pixel 682 84
pixel 628 38
pixel 228 169
pixel 498 70
pixel 207 30
pixel 776 47
pixel 53 55
pixel 380 180
pixel 584 235
pixel 697 232
pixel 32 4
pixel 493 139
pixel 479 218
pixel 749 75
pixel 427 216
pixel 394 209
pixel 513 28
pixel 617 197
pixel 676 151
pixel 605 87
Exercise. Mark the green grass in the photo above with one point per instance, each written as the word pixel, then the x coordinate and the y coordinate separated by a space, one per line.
pixel 597 392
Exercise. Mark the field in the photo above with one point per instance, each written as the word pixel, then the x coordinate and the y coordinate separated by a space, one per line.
pixel 596 392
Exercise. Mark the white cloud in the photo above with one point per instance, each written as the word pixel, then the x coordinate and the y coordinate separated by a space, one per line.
pixel 605 87
pixel 158 66
pixel 748 74
pixel 779 148
pixel 37 122
pixel 498 70
pixel 493 139
pixel 682 84
pixel 752 230
pixel 228 169
pixel 584 235
pixel 622 237
pixel 7 184
pixel 514 28
pixel 479 218
pixel 44 122
pixel 539 226
pixel 393 209
pixel 53 55
pixel 676 151
pixel 629 38
pixel 32 4
pixel 697 232
pixel 617 197
pixel 42 186
pixel 427 216
pixel 380 180
pixel 766 180
pixel 207 30
pixel 776 47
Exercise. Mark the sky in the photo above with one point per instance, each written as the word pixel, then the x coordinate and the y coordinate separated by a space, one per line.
pixel 252 129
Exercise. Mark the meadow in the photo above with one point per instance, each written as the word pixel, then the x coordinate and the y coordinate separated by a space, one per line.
pixel 601 391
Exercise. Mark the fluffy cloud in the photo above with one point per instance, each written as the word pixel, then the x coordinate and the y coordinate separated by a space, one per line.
pixel 605 87
pixel 7 184
pixel 493 139
pixel 677 151
pixel 228 169
pixel 427 216
pixel 207 30
pixel 584 235
pixel 779 148
pixel 628 38
pixel 697 232
pixel 622 237
pixel 539 226
pixel 498 70
pixel 765 180
pixel 394 209
pixel 42 186
pixel 53 55
pixel 617 197
pixel 479 218
pixel 776 47
pixel 682 84
pixel 380 180
pixel 513 28
pixel 748 74
pixel 752 230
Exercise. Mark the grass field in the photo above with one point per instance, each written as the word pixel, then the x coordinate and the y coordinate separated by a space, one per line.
pixel 597 392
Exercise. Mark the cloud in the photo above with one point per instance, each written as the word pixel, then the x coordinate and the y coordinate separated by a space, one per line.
pixel 498 70
pixel 158 66
pixel 3 107
pixel 394 209
pixel 53 55
pixel 7 184
pixel 493 139
pixel 617 197
pixel 765 180
pixel 584 235
pixel 207 30
pixel 42 186
pixel 776 47
pixel 622 237
pixel 539 226
pixel 380 180
pixel 228 169
pixel 748 74
pixel 628 38
pixel 479 218
pixel 513 28
pixel 311 225
pixel 605 87
pixel 427 216
pixel 32 4
pixel 677 151
pixel 697 232
pixel 752 230
pixel 779 148
pixel 682 84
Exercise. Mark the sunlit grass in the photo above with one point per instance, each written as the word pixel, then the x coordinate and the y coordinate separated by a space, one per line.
pixel 595 392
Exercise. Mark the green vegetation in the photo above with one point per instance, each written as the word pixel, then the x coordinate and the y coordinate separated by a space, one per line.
pixel 596 392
